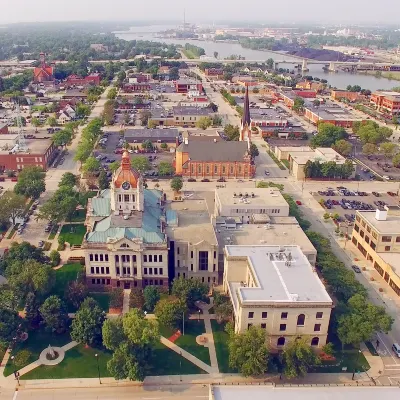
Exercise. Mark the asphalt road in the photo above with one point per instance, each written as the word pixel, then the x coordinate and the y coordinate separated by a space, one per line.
pixel 183 392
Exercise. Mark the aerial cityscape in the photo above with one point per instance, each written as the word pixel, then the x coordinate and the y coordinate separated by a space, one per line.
pixel 196 205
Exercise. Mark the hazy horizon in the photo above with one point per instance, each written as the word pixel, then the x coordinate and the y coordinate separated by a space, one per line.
pixel 306 11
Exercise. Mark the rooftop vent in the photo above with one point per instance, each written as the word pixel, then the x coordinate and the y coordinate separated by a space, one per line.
pixel 234 194
pixel 252 194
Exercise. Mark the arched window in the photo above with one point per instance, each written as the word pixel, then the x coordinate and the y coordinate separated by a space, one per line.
pixel 300 320
pixel 315 341
pixel 281 341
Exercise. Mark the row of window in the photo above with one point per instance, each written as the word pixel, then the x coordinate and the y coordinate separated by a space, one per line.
pixel 21 159
pixel 150 271
pixel 281 341
pixel 100 270
pixel 282 327
pixel 214 279
pixel 103 281
pixel 98 257
pixel 257 211
pixel 127 198
pixel 284 315
pixel 224 168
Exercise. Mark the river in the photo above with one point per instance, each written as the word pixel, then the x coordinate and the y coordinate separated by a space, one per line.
pixel 337 79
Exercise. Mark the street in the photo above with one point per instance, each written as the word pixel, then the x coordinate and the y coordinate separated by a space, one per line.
pixel 183 392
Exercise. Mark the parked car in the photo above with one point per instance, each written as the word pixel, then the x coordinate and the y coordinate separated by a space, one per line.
pixel 396 349
pixel 356 269
pixel 298 202
pixel 376 194
pixel 41 243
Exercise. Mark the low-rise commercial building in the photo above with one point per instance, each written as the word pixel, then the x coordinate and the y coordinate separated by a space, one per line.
pixel 290 96
pixel 189 115
pixel 231 202
pixel 136 87
pixel 377 236
pixel 157 137
pixel 299 156
pixel 3 129
pixel 345 94
pixel 330 113
pixel 215 73
pixel 37 152
pixel 184 86
pixel 276 288
pixel 386 102
pixel 267 117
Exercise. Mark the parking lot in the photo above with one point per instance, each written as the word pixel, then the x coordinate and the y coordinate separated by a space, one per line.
pixel 339 200
pixel 380 165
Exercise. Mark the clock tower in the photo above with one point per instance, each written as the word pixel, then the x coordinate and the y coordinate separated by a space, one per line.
pixel 126 189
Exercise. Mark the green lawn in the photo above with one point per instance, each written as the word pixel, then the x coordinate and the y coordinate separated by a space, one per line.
pixel 37 341
pixel 194 328
pixel 221 346
pixel 103 299
pixel 167 362
pixel 79 362
pixel 73 234
pixel 79 216
pixel 64 275
pixel 53 232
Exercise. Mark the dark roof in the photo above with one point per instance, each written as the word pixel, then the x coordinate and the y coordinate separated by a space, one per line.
pixel 155 134
pixel 192 110
pixel 214 151
pixel 246 120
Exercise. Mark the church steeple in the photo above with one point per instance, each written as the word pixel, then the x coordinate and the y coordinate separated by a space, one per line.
pixel 245 132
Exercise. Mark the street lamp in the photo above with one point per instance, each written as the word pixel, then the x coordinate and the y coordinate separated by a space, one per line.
pixel 16 373
pixel 180 366
pixel 98 367
pixel 199 315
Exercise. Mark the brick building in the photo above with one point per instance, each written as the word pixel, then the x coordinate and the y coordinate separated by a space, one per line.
pixel 184 86
pixel 75 80
pixel 3 129
pixel 43 73
pixel 213 159
pixel 136 87
pixel 386 102
pixel 40 152
pixel 217 73
pixel 345 94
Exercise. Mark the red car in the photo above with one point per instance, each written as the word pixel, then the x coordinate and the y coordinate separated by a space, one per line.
pixel 14 179
pixel 118 151
pixel 298 202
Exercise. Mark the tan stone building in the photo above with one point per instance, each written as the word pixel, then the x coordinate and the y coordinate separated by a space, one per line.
pixel 377 236
pixel 276 288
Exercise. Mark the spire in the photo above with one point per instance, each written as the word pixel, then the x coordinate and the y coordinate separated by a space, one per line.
pixel 126 163
pixel 246 109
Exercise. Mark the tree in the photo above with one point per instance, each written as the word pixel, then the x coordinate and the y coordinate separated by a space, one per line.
pixel 270 63
pixel 396 160
pixel 204 122
pixel 112 94
pixel 395 121
pixel 151 296
pixel 369 149
pixel 82 110
pixel 114 166
pixel 216 120
pixel 75 293
pixel 83 151
pixel 371 132
pixel 144 117
pixel 147 145
pixel 165 168
pixel 32 314
pixel 55 258
pixel 91 165
pixel 327 135
pixel 104 183
pixel 298 104
pixel 140 163
pixel 388 149
pixel 151 124
pixel 36 123
pixel 189 290
pixel 54 314
pixel 176 184
pixel 51 121
pixel 232 132
pixel 343 147
pixel 68 179
pixel 248 352
pixel 316 103
pixel 223 311
pixel 131 338
pixel 31 182
pixel 362 321
pixel 170 311
pixel 12 206
pixel 136 299
pixel 62 138
pixel 9 326
pixel 298 358
pixel 254 150
pixel 88 323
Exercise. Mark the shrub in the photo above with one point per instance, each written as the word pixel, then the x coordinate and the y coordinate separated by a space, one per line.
pixel 55 258
pixel 116 298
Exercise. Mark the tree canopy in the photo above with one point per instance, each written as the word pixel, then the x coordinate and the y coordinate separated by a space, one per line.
pixel 189 290
pixel 328 134
pixel 31 182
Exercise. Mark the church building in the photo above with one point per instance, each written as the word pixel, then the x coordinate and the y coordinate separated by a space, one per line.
pixel 43 73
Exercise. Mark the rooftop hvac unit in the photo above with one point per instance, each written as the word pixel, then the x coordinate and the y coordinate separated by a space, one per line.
pixel 234 194
pixel 246 195
pixel 252 194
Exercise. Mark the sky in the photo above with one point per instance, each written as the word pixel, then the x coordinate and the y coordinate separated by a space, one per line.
pixel 266 11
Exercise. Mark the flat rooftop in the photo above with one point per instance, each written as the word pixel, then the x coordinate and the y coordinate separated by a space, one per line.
pixel 194 223
pixel 157 134
pixel 291 149
pixel 331 111
pixel 182 110
pixel 282 274
pixel 262 197
pixel 267 234
pixel 266 114
pixel 320 153
pixel 390 226
pixel 271 392
pixel 34 146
